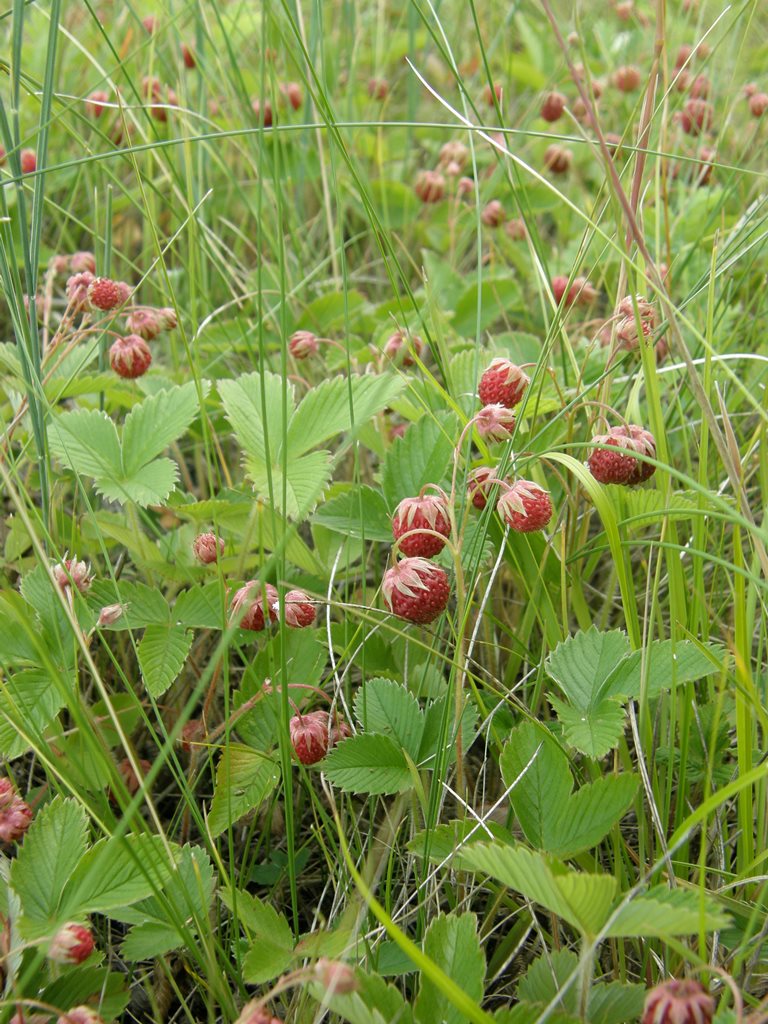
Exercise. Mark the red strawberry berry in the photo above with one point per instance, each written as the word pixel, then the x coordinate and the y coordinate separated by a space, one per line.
pixel 105 294
pixel 453 155
pixel 553 106
pixel 618 464
pixel 416 590
pixel 300 611
pixel 314 734
pixel 336 977
pixel 492 93
pixel 525 507
pixel 207 548
pixel 429 512
pixel 255 1013
pixel 478 487
pixel 130 357
pixel 251 598
pixel 144 321
pixel 696 117
pixel 503 383
pixel 188 56
pixel 72 944
pixel 495 422
pixel 758 104
pixel 378 88
pixel 678 1002
pixel 28 161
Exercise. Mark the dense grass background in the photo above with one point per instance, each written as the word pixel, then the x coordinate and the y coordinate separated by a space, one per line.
pixel 251 232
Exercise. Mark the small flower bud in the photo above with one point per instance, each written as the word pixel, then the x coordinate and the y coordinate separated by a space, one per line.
pixel 72 944
pixel 248 602
pixel 400 346
pixel 553 106
pixel 77 291
pixel 626 79
pixel 95 103
pixel 495 422
pixel 558 159
pixel 145 322
pixel 28 161
pixel 109 614
pixel 207 548
pixel 337 978
pixel 72 572
pixel 429 186
pixel 303 344
pixel 82 262
pixel 292 92
pixel 492 214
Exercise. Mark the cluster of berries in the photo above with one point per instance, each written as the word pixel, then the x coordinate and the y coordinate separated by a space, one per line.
pixel 290 92
pixel 416 589
pixel 86 294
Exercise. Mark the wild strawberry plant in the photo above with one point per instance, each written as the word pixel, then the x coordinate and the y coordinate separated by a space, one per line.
pixel 382 617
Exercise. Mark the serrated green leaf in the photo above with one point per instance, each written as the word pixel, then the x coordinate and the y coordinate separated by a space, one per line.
pixel 86 441
pixel 113 874
pixel 594 731
pixel 162 653
pixel 386 707
pixel 478 307
pixel 583 900
pixel 434 718
pixel 247 409
pixel 52 848
pixel 164 923
pixel 552 817
pixel 374 1002
pixel 308 477
pixel 336 405
pixel 665 663
pixel 149 940
pixel 151 485
pixel 421 456
pixel 102 990
pixel 589 814
pixel 244 779
pixel 157 422
pixel 543 980
pixel 29 702
pixel 614 1003
pixel 360 511
pixel 667 912
pixel 544 788
pixel 581 663
pixel 453 944
pixel 271 951
pixel 142 605
pixel 444 841
pixel 200 607
pixel 368 764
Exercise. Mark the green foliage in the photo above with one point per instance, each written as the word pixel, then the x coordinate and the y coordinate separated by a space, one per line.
pixel 127 468
pixel 244 779
pixel 588 901
pixel 598 674
pixel 262 410
pixel 552 816
pixel 162 653
pixel 452 943
pixel 421 456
